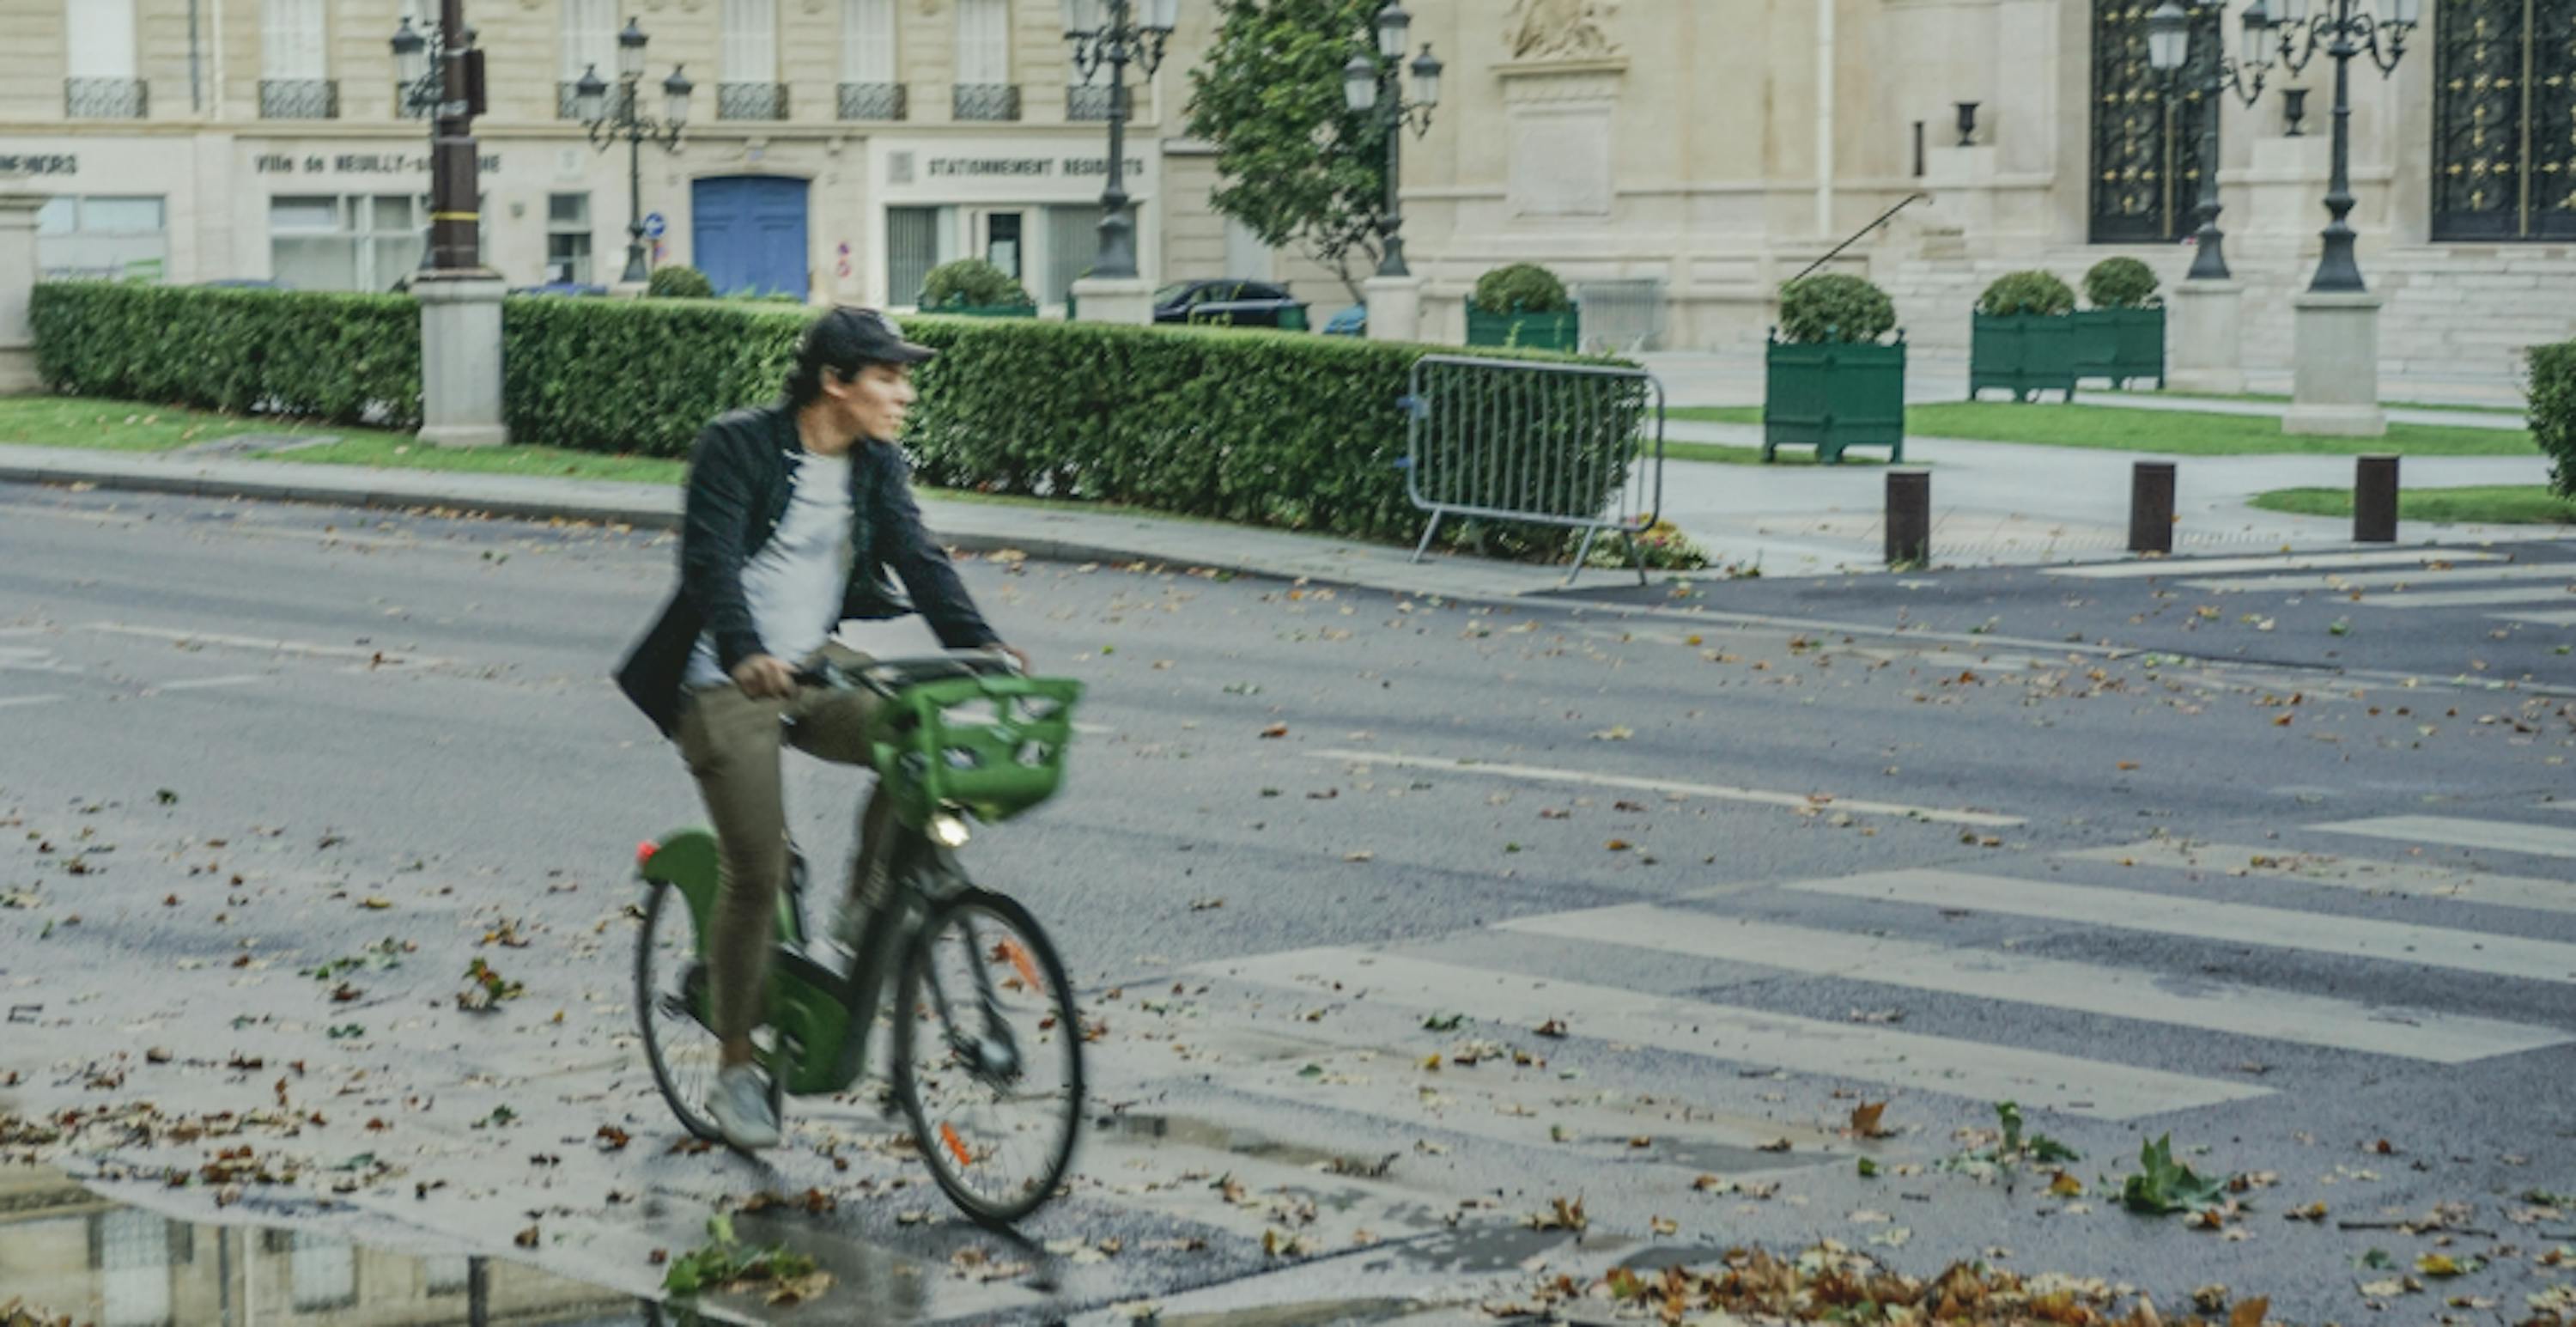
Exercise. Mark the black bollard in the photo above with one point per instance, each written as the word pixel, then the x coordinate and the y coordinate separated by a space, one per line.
pixel 2151 507
pixel 2374 500
pixel 1909 516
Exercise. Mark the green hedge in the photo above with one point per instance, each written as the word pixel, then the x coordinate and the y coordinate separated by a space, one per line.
pixel 1249 426
pixel 2553 412
pixel 349 359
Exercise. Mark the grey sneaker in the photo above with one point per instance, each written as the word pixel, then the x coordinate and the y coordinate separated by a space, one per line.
pixel 740 1108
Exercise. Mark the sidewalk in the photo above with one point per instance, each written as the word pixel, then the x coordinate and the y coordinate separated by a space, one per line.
pixel 1993 504
pixel 1734 377
pixel 2000 503
pixel 1054 534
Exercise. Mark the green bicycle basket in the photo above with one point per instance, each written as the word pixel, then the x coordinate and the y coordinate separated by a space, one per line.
pixel 993 745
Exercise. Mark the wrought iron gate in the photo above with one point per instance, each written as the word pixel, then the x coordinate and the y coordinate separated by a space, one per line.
pixel 2504 120
pixel 2146 139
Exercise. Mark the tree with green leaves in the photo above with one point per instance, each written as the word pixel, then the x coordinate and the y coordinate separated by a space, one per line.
pixel 1297 165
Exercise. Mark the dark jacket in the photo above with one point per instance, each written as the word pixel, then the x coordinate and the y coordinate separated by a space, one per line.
pixel 741 478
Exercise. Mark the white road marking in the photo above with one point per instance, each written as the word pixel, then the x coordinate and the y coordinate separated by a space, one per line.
pixel 2408 879
pixel 2565 619
pixel 2090 988
pixel 2305 562
pixel 2498 835
pixel 1804 1045
pixel 195 683
pixel 362 653
pixel 2225 923
pixel 13 702
pixel 2420 578
pixel 1720 792
pixel 2537 594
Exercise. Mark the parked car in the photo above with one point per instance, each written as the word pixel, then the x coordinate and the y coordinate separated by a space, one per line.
pixel 561 288
pixel 1352 321
pixel 1228 302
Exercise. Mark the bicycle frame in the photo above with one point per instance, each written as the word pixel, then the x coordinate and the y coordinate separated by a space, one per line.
pixel 823 1019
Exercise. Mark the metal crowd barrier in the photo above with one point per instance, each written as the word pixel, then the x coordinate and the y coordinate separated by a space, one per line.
pixel 1621 317
pixel 1573 445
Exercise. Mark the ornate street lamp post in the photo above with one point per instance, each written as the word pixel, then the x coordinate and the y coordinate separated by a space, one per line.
pixel 2169 50
pixel 626 120
pixel 1115 33
pixel 1370 84
pixel 2344 29
pixel 441 75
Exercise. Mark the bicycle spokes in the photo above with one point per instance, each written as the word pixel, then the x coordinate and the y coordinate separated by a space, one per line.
pixel 997 1079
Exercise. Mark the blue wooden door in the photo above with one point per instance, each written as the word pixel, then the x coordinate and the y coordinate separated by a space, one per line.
pixel 749 233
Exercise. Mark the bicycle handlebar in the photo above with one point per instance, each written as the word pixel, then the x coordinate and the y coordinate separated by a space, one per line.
pixel 888 676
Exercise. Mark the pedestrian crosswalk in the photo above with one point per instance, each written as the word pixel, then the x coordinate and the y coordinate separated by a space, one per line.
pixel 2051 1026
pixel 2532 593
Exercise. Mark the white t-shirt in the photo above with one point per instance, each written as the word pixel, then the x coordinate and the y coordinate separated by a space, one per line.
pixel 794 582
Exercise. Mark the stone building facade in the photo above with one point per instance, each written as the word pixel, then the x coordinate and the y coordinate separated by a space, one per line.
pixel 835 149
pixel 1674 159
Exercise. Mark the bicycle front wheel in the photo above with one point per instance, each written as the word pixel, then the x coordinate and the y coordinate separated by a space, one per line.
pixel 988 1056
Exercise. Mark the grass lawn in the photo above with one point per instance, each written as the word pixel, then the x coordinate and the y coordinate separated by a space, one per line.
pixel 130 426
pixel 2485 504
pixel 2450 407
pixel 401 451
pixel 2183 433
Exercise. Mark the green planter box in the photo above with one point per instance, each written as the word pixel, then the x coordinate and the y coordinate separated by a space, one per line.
pixel 2022 353
pixel 2122 345
pixel 1526 331
pixel 1834 395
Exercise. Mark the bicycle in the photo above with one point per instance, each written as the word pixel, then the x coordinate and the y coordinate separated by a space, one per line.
pixel 959 737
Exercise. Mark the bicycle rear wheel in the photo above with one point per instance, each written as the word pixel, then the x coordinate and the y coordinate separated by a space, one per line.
pixel 988 1056
pixel 673 1009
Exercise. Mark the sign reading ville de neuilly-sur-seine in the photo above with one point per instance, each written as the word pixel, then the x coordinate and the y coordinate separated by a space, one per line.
pixel 353 163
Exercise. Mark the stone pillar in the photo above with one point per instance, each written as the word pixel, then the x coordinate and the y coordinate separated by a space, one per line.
pixel 1127 299
pixel 460 359
pixel 2335 375
pixel 1394 307
pixel 17 283
pixel 2208 338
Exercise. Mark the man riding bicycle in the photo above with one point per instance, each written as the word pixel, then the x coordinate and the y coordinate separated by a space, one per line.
pixel 794 512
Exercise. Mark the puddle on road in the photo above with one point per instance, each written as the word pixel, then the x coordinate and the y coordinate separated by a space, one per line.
pixel 1242 1142
pixel 69 1255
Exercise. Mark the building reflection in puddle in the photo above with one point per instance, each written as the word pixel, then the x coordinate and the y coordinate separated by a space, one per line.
pixel 67 1254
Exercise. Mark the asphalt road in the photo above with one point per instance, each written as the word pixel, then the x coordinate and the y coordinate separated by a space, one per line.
pixel 1936 841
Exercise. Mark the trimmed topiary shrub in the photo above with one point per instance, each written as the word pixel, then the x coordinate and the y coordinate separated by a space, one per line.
pixel 349 359
pixel 2553 412
pixel 1819 309
pixel 972 283
pixel 1521 288
pixel 2120 283
pixel 679 281
pixel 2027 292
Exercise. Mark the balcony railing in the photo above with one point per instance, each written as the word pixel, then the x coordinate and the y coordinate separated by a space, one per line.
pixel 1093 103
pixel 568 100
pixel 751 101
pixel 106 98
pixel 874 101
pixel 299 99
pixel 987 101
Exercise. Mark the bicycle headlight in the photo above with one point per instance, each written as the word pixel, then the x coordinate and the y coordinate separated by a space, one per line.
pixel 948 830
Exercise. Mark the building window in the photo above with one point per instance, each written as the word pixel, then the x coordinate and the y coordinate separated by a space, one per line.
pixel 589 44
pixel 984 87
pixel 749 88
pixel 1091 101
pixel 102 237
pixel 869 90
pixel 325 1273
pixel 294 71
pixel 448 1274
pixel 912 248
pixel 133 1252
pixel 365 243
pixel 102 83
pixel 568 238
